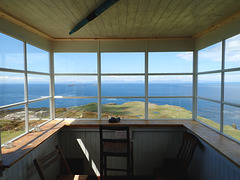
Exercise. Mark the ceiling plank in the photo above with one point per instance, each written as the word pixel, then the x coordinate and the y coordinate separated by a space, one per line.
pixel 219 24
pixel 126 19
pixel 25 26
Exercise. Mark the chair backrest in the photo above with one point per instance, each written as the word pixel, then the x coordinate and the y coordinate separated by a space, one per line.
pixel 42 164
pixel 114 140
pixel 186 151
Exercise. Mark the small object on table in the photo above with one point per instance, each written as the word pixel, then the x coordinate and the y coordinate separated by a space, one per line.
pixel 114 120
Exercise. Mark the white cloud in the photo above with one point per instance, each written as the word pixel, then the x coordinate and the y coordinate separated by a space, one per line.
pixel 212 53
pixel 232 77
pixel 75 79
pixel 186 56
pixel 10 78
pixel 170 79
pixel 120 79
pixel 233 50
pixel 209 78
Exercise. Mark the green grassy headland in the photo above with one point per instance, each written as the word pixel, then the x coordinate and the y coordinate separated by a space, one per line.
pixel 11 128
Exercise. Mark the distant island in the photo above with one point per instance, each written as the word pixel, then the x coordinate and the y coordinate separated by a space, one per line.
pixel 12 121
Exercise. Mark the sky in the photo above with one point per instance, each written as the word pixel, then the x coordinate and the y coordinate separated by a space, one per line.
pixel 11 56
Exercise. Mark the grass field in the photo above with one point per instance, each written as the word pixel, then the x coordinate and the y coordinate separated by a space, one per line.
pixel 129 110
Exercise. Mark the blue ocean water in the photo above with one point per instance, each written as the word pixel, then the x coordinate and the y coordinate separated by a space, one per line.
pixel 13 93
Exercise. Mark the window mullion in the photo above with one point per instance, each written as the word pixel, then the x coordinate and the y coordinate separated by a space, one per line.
pixel 99 82
pixel 26 89
pixel 195 84
pixel 52 86
pixel 146 81
pixel 222 86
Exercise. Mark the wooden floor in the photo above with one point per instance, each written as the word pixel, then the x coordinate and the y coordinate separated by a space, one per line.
pixel 123 178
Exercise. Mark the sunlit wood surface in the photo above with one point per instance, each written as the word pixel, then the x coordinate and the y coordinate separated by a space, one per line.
pixel 125 19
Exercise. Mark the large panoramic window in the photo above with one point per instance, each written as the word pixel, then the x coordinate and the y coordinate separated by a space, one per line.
pixel 209 85
pixel 74 63
pixel 38 83
pixel 37 59
pixel 23 77
pixel 210 58
pixel 11 53
pixel 11 88
pixel 170 62
pixel 123 85
pixel 232 55
pixel 170 85
pixel 231 109
pixel 219 87
pixel 12 110
pixel 76 85
pixel 117 88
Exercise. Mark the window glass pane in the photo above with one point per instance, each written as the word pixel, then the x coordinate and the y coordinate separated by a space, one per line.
pixel 11 88
pixel 76 86
pixel 170 85
pixel 231 121
pixel 170 62
pixel 232 87
pixel 38 86
pixel 12 122
pixel 209 58
pixel 75 62
pixel 37 59
pixel 125 108
pixel 170 108
pixel 39 112
pixel 122 62
pixel 209 113
pixel 209 86
pixel 76 108
pixel 11 53
pixel 232 52
pixel 123 86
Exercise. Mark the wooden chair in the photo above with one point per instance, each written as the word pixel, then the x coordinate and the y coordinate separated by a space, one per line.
pixel 110 145
pixel 42 164
pixel 176 168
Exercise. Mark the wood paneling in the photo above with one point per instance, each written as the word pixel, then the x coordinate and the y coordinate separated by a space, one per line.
pixel 25 169
pixel 208 164
pixel 29 142
pixel 125 19
pixel 150 146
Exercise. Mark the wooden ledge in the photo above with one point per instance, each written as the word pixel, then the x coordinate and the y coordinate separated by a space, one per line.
pixel 27 143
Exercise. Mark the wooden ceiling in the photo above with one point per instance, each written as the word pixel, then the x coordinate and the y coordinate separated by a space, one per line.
pixel 134 19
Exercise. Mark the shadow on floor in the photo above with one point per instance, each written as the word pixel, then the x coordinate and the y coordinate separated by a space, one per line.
pixel 123 178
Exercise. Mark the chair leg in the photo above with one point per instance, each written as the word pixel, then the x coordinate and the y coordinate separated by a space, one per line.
pixel 105 167
pixel 128 174
pixel 132 163
pixel 101 167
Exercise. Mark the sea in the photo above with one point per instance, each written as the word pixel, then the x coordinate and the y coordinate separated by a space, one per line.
pixel 119 93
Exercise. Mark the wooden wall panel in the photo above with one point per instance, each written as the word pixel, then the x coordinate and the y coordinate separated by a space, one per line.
pixel 208 164
pixel 24 169
pixel 157 45
pixel 150 146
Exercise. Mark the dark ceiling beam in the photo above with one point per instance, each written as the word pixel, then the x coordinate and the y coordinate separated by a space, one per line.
pixel 103 7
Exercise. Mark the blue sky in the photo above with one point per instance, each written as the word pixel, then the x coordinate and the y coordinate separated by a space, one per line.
pixel 11 56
